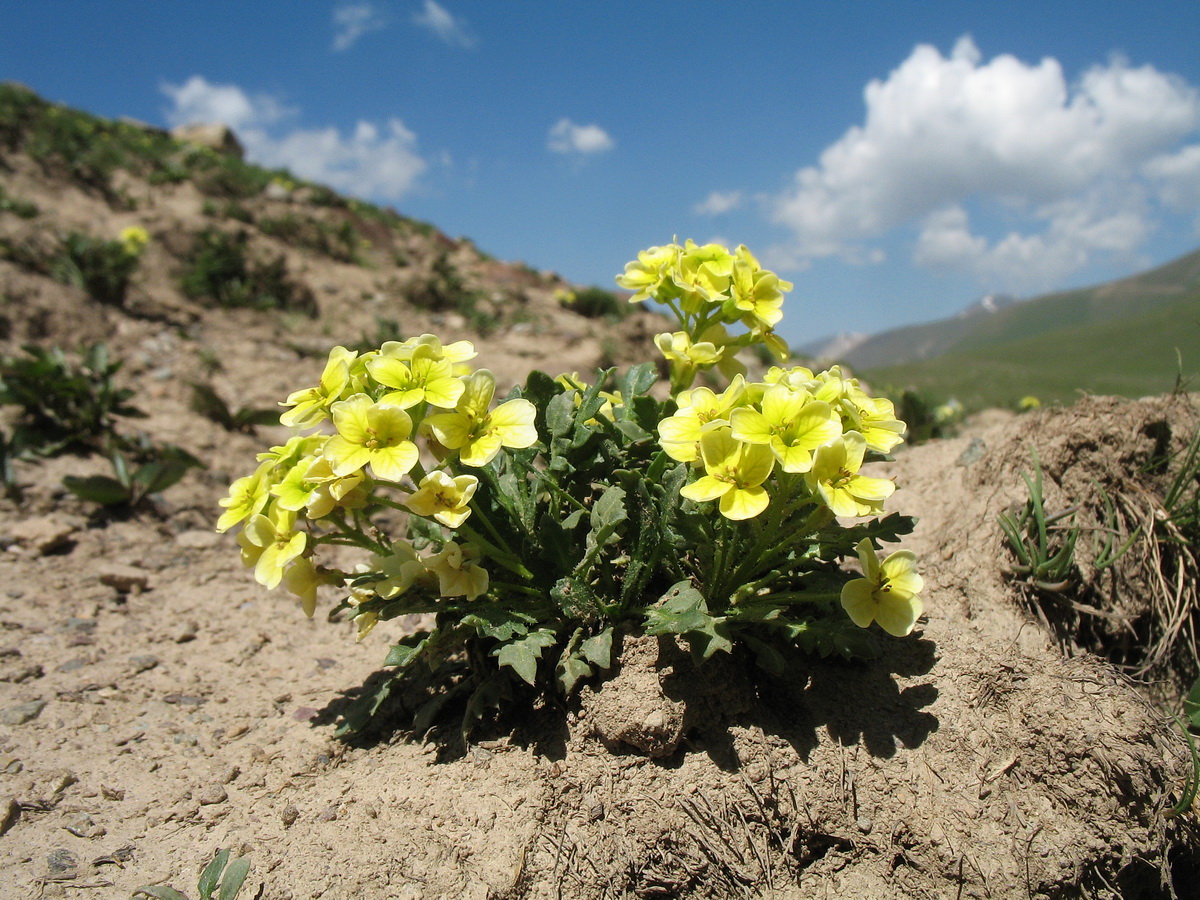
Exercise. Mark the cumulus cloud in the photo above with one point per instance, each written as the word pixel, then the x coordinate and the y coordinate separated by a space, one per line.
pixel 354 20
pixel 1176 177
pixel 945 134
pixel 718 202
pixel 438 19
pixel 373 161
pixel 567 137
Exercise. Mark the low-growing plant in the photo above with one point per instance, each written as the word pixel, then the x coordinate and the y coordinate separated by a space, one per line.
pixel 210 404
pixel 18 207
pixel 64 406
pixel 538 529
pixel 219 267
pixel 100 267
pixel 595 303
pixel 223 876
pixel 1043 542
pixel 135 477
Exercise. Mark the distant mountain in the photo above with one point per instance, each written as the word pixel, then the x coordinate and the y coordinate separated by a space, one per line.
pixel 1132 337
pixel 998 319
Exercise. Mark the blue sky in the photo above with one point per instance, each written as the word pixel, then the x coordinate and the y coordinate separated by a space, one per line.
pixel 895 160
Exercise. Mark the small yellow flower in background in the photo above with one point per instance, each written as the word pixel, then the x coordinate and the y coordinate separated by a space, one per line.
pixel 612 399
pixel 564 297
pixel 1028 404
pixel 311 405
pixel 269 543
pixel 887 593
pixel 477 434
pixel 370 433
pixel 735 473
pixel 134 240
pixel 834 475
pixel 444 498
pixel 421 379
pixel 791 423
pixel 645 275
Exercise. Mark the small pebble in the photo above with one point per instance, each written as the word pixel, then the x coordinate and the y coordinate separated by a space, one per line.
pixel 289 816
pixel 212 795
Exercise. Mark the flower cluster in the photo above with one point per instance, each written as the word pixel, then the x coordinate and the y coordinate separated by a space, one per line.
pixel 534 526
pixel 380 404
pixel 816 429
pixel 708 288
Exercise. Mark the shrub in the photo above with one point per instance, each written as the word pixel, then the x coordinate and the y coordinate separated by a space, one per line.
pixel 219 268
pixel 541 527
pixel 102 268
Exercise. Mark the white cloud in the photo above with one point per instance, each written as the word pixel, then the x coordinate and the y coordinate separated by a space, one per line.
pixel 354 20
pixel 718 202
pixel 942 133
pixel 372 162
pixel 197 101
pixel 1176 177
pixel 567 137
pixel 437 19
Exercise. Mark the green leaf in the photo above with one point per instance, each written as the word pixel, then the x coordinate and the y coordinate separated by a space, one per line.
pixel 571 669
pixel 212 874
pixel 598 649
pixel 607 514
pixel 769 658
pixel 637 380
pixel 235 877
pixel 522 656
pixel 576 598
pixel 497 623
pixel 1191 704
pixel 682 609
pixel 560 414
pixel 403 654
pixel 98 489
pixel 159 475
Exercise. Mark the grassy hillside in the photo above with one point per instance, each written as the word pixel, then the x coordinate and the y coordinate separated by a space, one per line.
pixel 1131 298
pixel 1099 352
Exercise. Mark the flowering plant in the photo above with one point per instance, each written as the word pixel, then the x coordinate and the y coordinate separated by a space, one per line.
pixel 534 528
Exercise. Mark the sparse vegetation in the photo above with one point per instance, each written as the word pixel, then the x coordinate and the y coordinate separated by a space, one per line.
pixel 219 268
pixel 222 875
pixel 210 404
pixel 64 405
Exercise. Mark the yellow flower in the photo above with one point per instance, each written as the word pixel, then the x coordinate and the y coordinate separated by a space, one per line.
pixel 457 572
pixel 834 476
pixel 370 433
pixel 444 498
pixel 269 543
pixel 700 410
pixel 612 399
pixel 756 295
pixel 477 434
pixel 791 423
pixel 401 569
pixel 703 275
pixel 247 496
pixel 301 579
pixel 735 473
pixel 646 275
pixel 134 240
pixel 874 418
pixel 330 491
pixel 310 405
pixel 422 378
pixel 887 593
